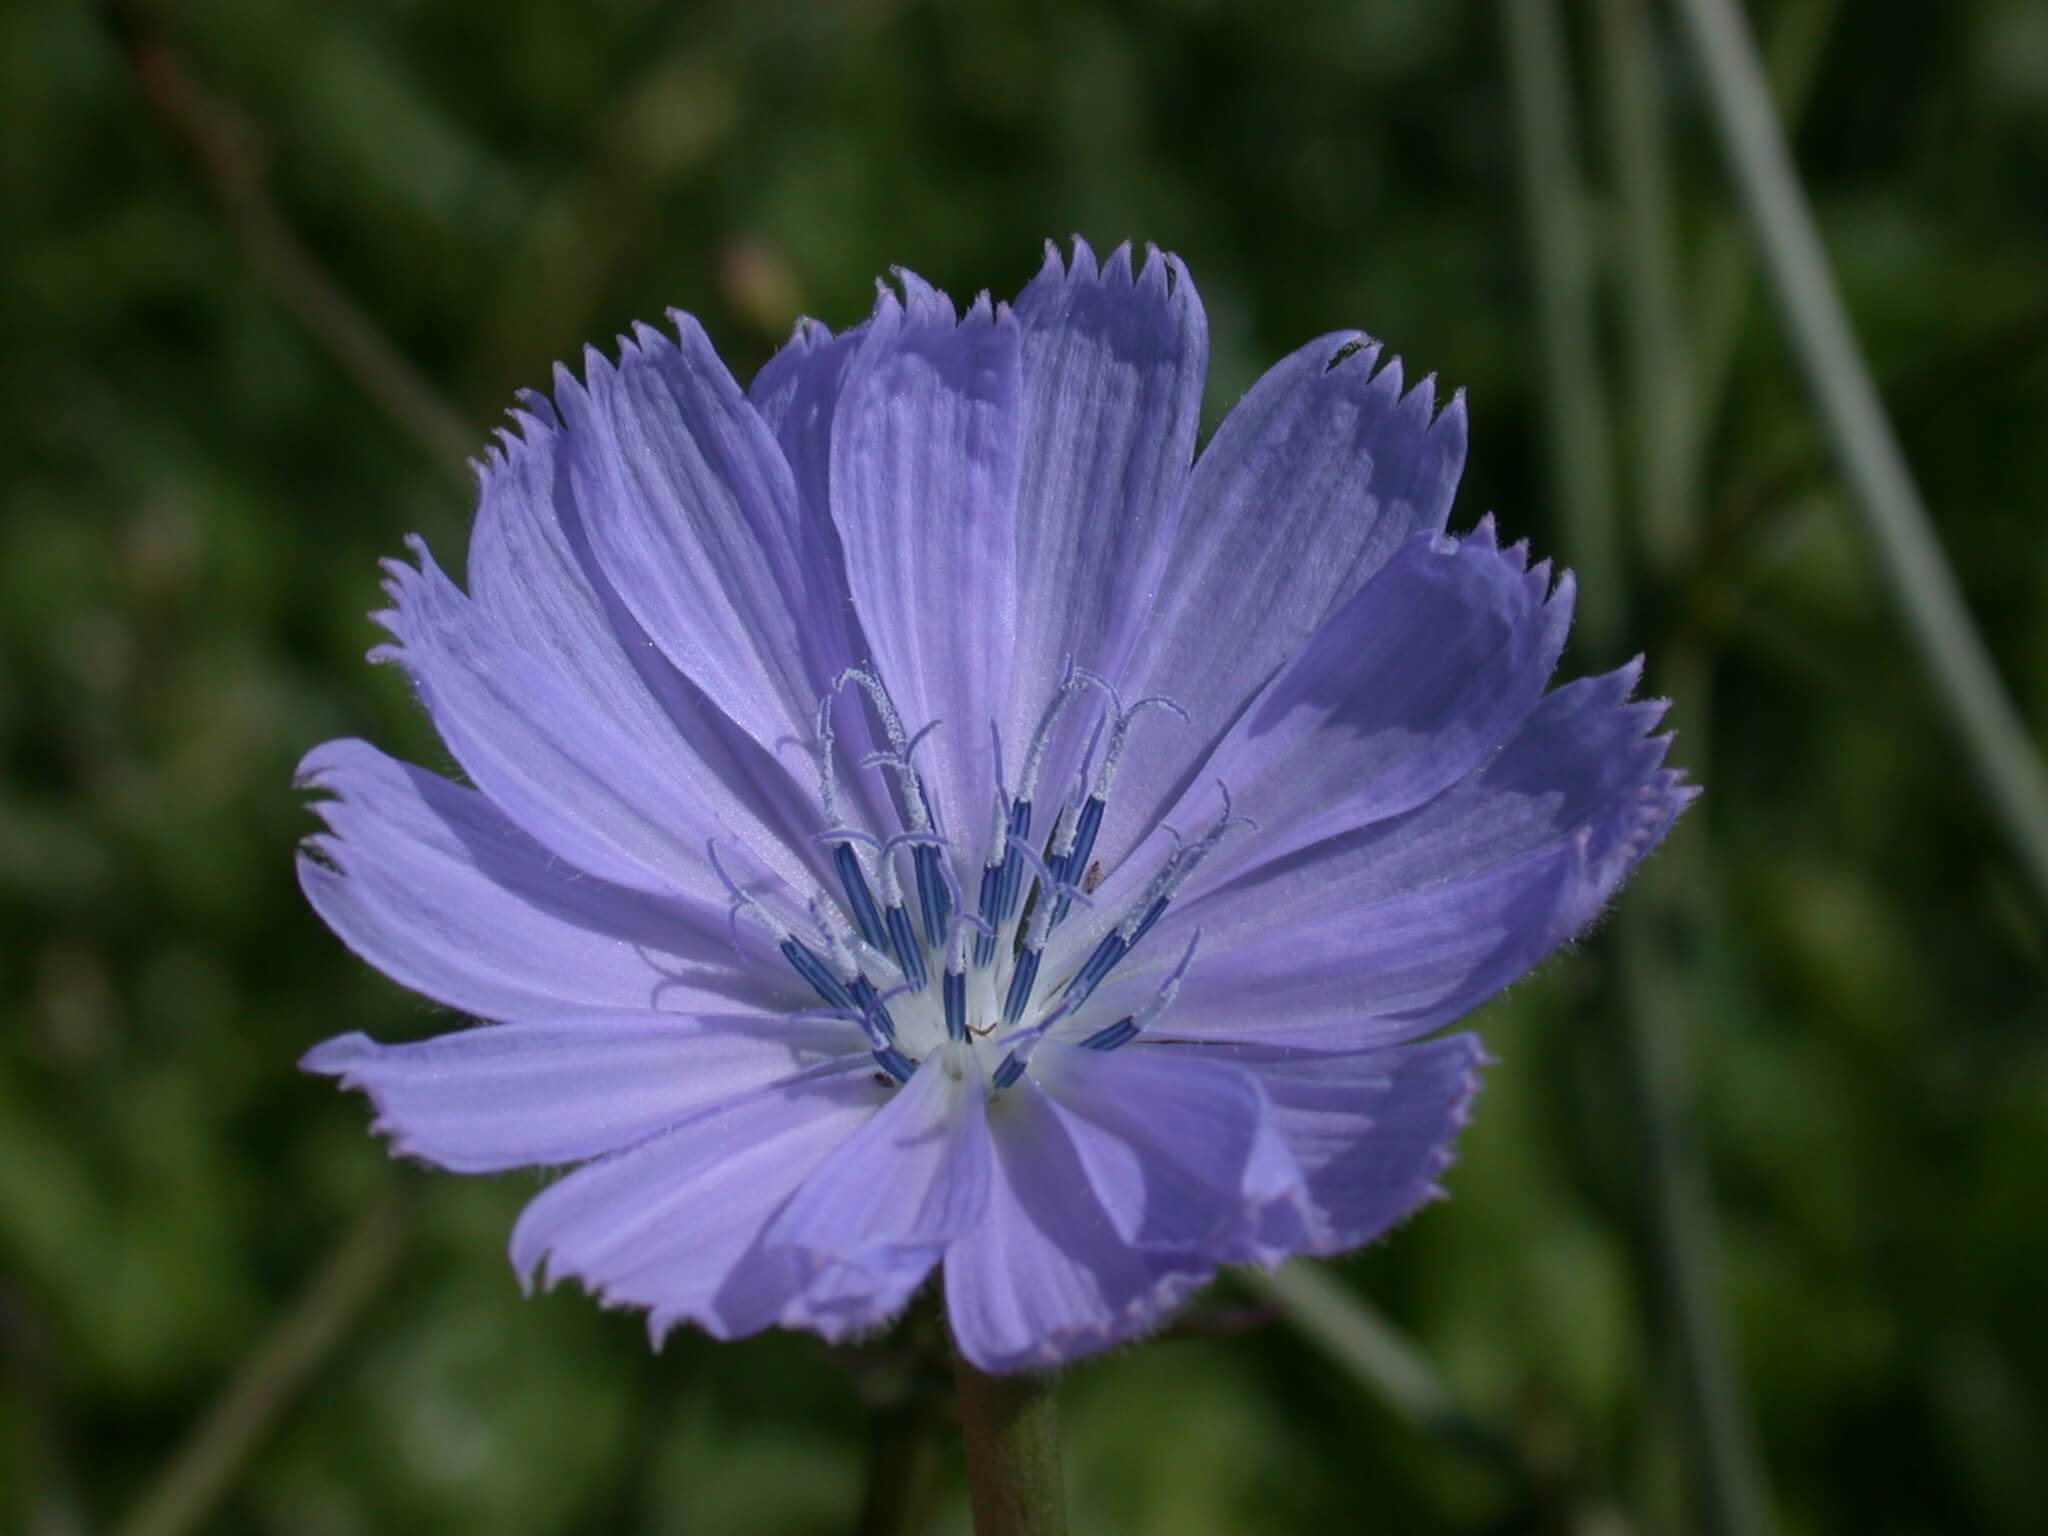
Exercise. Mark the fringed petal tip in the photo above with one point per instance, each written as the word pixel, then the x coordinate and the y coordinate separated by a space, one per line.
pixel 1362 357
pixel 1083 267
pixel 315 772
pixel 1470 1059
pixel 533 426
pixel 419 591
pixel 539 416
pixel 1373 1132
pixel 1354 352
pixel 847 1328
pixel 806 336
pixel 1162 277
pixel 920 306
pixel 544 1273
pixel 339 1057
pixel 535 408
pixel 675 1223
pixel 1129 1322
pixel 848 1324
pixel 345 1058
pixel 1546 582
pixel 1610 848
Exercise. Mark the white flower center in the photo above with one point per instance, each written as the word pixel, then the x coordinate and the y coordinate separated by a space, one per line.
pixel 872 965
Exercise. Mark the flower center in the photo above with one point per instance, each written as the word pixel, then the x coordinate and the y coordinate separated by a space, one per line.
pixel 869 963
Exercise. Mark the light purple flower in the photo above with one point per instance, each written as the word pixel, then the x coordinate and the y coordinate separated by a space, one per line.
pixel 924 816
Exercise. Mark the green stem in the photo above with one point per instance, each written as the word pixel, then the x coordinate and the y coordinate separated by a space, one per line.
pixel 217 142
pixel 1561 258
pixel 1983 718
pixel 1013 1452
pixel 1792 55
pixel 193 1482
pixel 1327 1312
pixel 1724 1472
pixel 1678 1247
pixel 1647 245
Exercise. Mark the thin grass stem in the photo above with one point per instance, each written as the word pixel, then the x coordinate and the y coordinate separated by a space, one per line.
pixel 1561 255
pixel 225 157
pixel 190 1485
pixel 1726 262
pixel 1993 737
pixel 1385 1362
pixel 1646 246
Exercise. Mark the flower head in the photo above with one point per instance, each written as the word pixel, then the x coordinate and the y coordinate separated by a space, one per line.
pixel 922 815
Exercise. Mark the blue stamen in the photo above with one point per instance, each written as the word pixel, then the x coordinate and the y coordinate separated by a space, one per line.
pixel 871 1006
pixel 1084 837
pixel 1157 910
pixel 1110 1036
pixel 991 897
pixel 934 904
pixel 1073 869
pixel 1126 1028
pixel 953 988
pixel 1097 966
pixel 866 915
pixel 814 970
pixel 1011 1069
pixel 1022 980
pixel 904 946
pixel 895 1063
pixel 1013 860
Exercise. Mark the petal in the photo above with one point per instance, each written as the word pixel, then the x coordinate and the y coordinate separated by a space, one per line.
pixel 861 1235
pixel 531 573
pixel 1370 1132
pixel 1112 373
pixel 550 759
pixel 1421 676
pixel 1045 1276
pixel 924 493
pixel 669 1224
pixel 1395 928
pixel 567 1088
pixel 1177 1150
pixel 534 575
pixel 1579 754
pixel 797 393
pixel 692 514
pixel 1312 482
pixel 1342 974
pixel 429 883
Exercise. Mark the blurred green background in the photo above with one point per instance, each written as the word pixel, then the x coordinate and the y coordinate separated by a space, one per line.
pixel 1835 970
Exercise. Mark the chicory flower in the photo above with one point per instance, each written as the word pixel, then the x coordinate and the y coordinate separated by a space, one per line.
pixel 921 816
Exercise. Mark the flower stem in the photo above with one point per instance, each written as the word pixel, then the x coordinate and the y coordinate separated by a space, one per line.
pixel 1013 1452
pixel 1991 730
